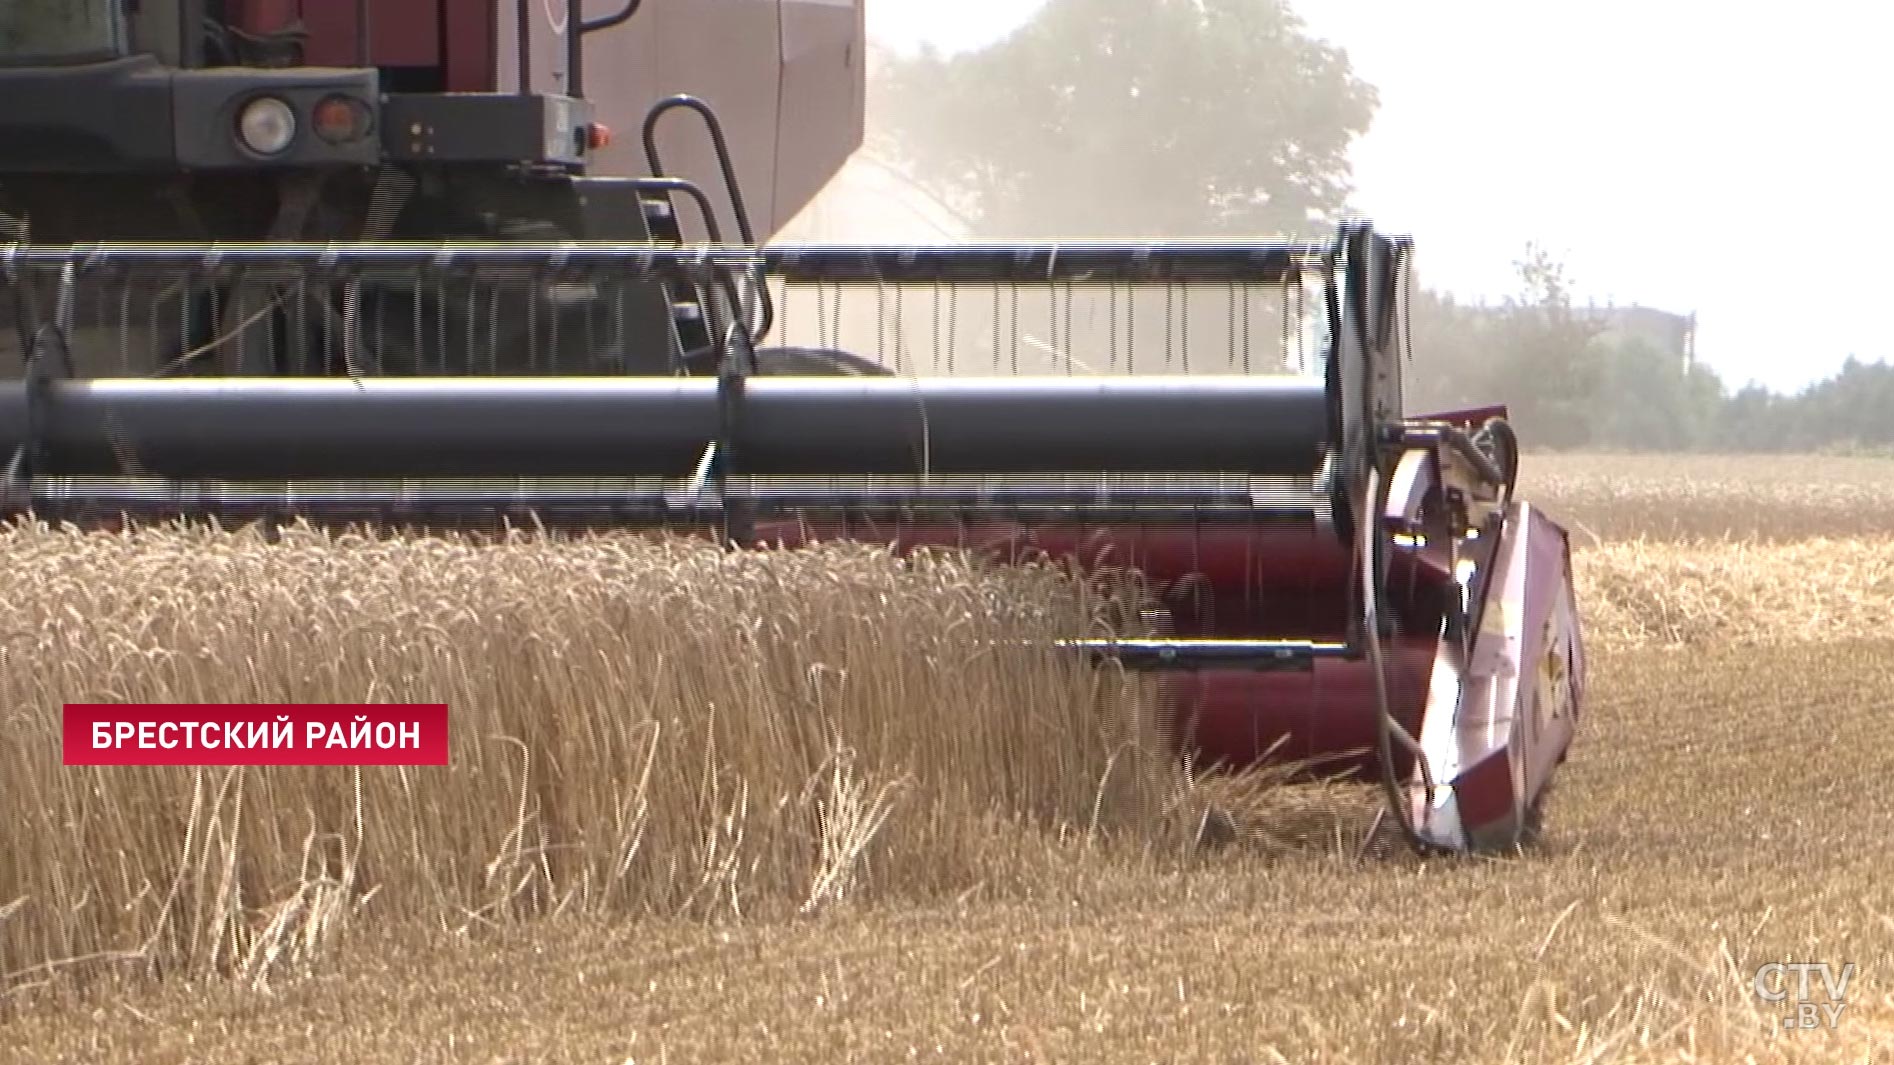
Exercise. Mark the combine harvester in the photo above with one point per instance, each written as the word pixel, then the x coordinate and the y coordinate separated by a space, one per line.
pixel 386 264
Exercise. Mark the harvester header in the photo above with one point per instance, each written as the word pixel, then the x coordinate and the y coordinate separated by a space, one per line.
pixel 1333 579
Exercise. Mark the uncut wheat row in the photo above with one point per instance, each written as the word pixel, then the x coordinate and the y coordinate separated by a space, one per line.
pixel 645 727
pixel 1693 498
pixel 1714 594
pixel 637 727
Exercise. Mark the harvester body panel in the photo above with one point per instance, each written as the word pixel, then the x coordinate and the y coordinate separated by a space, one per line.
pixel 487 105
pixel 785 77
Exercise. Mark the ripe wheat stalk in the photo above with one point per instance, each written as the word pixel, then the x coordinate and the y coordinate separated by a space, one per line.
pixel 639 726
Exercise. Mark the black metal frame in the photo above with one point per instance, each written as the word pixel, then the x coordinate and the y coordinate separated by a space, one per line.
pixel 729 451
pixel 1265 262
pixel 1360 406
pixel 285 429
pixel 186 109
pixel 135 115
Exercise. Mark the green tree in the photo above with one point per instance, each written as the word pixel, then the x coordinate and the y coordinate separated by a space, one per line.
pixel 1457 359
pixel 1648 400
pixel 1531 353
pixel 1853 410
pixel 1548 379
pixel 1753 419
pixel 1134 118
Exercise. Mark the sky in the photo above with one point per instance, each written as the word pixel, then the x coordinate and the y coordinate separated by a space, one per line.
pixel 1680 154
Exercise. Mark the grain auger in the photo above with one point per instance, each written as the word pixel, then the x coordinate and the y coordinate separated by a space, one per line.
pixel 1338 583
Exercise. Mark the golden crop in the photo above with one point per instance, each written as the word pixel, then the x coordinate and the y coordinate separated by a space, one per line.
pixel 819 807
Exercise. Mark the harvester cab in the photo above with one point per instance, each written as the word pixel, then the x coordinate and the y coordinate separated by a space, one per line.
pixel 466 120
pixel 1332 580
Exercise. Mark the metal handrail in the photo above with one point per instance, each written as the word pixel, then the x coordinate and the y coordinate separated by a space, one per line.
pixel 577 27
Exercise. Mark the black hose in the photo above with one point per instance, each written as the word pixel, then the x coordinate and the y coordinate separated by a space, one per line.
pixel 1388 730
pixel 1497 434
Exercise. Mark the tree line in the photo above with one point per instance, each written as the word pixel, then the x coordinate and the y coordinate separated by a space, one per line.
pixel 1192 118
pixel 1572 382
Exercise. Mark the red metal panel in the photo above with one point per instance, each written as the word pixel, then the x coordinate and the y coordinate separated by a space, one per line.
pixel 471 62
pixel 264 16
pixel 404 34
pixel 1327 716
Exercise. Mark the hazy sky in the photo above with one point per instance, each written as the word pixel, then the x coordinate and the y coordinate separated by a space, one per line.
pixel 1682 154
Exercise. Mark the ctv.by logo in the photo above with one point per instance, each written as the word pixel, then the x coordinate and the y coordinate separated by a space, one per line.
pixel 1772 985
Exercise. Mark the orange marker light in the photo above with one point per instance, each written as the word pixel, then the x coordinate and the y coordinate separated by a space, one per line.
pixel 338 119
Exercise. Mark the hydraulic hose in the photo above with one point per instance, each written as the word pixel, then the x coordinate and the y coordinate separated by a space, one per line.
pixel 1389 731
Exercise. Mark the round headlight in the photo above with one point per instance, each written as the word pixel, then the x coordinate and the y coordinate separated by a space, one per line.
pixel 266 125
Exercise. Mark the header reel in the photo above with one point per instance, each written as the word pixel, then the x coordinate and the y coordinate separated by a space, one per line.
pixel 1340 581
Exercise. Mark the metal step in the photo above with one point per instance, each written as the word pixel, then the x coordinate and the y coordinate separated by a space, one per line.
pixel 689 322
pixel 660 216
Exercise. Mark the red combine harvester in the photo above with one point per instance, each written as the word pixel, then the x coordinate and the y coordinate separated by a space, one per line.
pixel 387 264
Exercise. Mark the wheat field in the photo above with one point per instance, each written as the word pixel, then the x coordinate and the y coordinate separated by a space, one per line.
pixel 799 808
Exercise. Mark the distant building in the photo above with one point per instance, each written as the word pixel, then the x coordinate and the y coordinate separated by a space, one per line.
pixel 1673 334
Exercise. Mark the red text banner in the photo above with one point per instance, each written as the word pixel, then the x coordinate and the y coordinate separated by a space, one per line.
pixel 255 734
